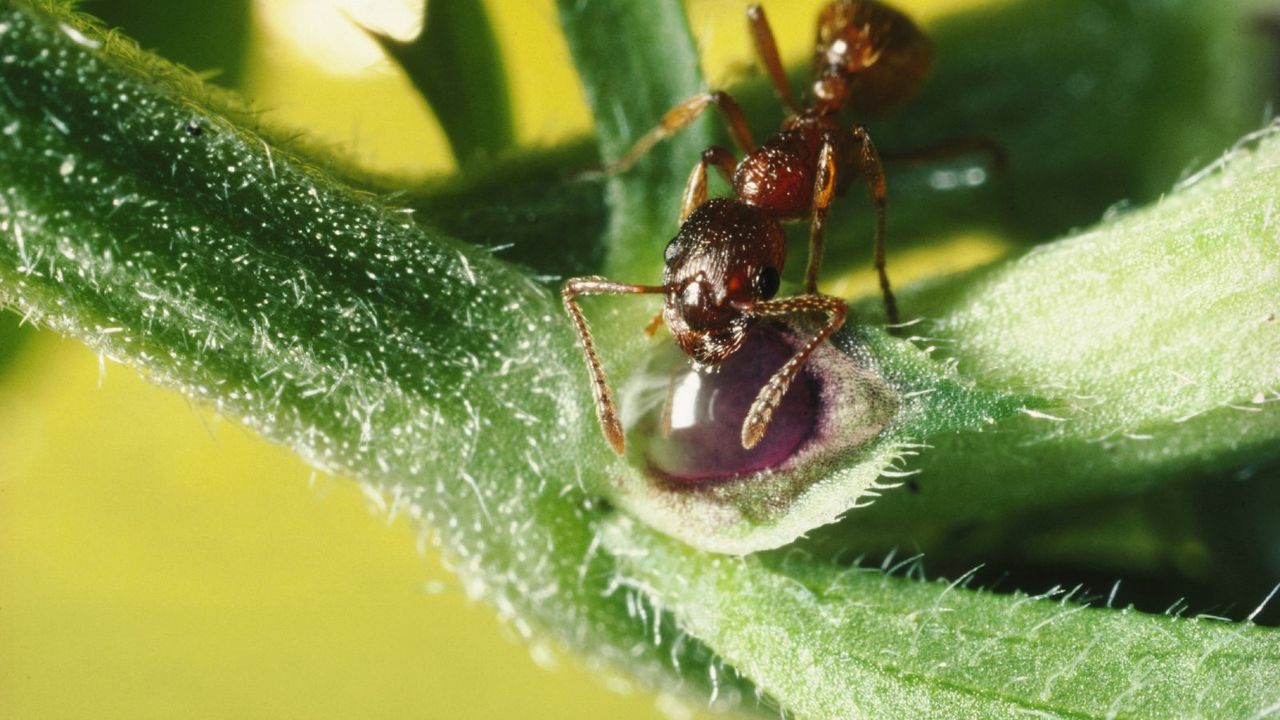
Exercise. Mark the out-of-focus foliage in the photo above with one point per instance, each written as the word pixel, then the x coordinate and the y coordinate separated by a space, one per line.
pixel 211 38
pixel 454 62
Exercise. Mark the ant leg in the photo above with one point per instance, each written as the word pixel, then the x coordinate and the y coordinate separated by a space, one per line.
pixel 722 159
pixel 695 190
pixel 824 189
pixel 767 49
pixel 664 425
pixel 683 115
pixel 997 157
pixel 652 328
pixel 606 409
pixel 873 173
pixel 769 397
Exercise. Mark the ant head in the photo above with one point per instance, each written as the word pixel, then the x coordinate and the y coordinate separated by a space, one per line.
pixel 726 258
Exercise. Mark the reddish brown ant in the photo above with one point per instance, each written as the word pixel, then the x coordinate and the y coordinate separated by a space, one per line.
pixel 724 265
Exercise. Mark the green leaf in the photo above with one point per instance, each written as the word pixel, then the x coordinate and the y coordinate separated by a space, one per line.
pixel 836 642
pixel 456 65
pixel 137 216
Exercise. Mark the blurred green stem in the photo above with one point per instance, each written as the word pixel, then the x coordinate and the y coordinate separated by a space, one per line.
pixel 456 64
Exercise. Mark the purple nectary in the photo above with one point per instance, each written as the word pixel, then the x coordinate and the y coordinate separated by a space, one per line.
pixel 706 410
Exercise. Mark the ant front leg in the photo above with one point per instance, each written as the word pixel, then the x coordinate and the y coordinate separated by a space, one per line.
pixel 770 396
pixel 767 49
pixel 695 190
pixel 606 409
pixel 681 117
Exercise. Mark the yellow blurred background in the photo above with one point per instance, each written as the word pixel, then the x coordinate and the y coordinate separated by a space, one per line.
pixel 159 561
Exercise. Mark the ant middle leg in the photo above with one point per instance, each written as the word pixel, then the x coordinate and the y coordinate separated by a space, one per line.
pixel 770 396
pixel 767 50
pixel 606 408
pixel 695 189
pixel 681 117
pixel 824 190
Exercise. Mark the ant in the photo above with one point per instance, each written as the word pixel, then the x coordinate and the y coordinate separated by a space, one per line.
pixel 723 268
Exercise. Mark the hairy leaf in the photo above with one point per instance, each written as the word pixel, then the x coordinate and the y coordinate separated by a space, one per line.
pixel 832 642
pixel 137 217
pixel 1153 338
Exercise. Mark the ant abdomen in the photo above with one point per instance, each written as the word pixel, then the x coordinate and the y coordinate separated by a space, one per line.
pixel 868 56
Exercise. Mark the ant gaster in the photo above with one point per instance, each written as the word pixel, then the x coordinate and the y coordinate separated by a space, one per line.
pixel 724 265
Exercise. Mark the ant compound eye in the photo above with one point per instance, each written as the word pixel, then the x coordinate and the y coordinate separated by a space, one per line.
pixel 767 282
pixel 669 253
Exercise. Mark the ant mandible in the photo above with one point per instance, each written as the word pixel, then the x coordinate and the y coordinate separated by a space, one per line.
pixel 723 268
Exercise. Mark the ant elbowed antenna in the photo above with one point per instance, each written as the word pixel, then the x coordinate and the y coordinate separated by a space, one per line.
pixel 723 268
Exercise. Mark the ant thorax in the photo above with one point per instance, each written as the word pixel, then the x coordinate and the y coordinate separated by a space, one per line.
pixel 779 175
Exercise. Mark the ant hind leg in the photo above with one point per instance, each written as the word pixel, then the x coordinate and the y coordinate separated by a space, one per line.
pixel 767 49
pixel 873 173
pixel 824 189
